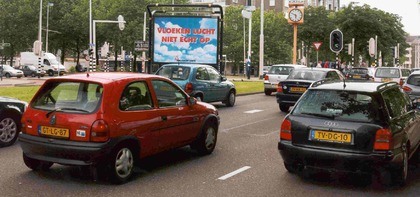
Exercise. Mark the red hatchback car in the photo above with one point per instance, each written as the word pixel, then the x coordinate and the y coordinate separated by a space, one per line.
pixel 110 120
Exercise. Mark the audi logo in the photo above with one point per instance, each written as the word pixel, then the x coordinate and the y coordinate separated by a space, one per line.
pixel 330 123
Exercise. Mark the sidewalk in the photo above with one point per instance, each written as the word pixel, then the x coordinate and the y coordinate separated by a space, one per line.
pixel 24 81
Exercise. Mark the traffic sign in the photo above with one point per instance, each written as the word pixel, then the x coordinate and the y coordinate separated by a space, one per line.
pixel 372 47
pixel 317 45
pixel 141 45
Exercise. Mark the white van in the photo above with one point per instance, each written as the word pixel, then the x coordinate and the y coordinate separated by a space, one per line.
pixel 49 61
pixel 277 73
pixel 387 74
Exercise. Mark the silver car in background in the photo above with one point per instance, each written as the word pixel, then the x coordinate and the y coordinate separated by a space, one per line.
pixel 8 71
pixel 412 85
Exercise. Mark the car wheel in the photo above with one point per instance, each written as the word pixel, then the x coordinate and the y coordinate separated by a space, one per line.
pixel 121 164
pixel 36 164
pixel 198 97
pixel 9 129
pixel 231 99
pixel 50 73
pixel 284 107
pixel 7 75
pixel 267 92
pixel 25 75
pixel 19 77
pixel 401 173
pixel 206 142
pixel 33 75
pixel 292 168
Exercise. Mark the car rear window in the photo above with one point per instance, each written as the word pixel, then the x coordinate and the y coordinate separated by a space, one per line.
pixel 414 80
pixel 174 72
pixel 78 97
pixel 387 73
pixel 405 72
pixel 280 70
pixel 338 104
pixel 359 71
pixel 313 75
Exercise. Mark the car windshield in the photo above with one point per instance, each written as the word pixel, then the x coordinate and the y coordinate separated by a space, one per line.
pixel 387 72
pixel 280 70
pixel 309 74
pixel 174 72
pixel 7 67
pixel 414 80
pixel 338 104
pixel 359 71
pixel 78 97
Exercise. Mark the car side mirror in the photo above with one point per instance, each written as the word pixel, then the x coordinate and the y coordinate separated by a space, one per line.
pixel 223 78
pixel 192 101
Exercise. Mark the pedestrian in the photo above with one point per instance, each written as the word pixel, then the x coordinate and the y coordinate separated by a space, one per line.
pixel 319 64
pixel 327 64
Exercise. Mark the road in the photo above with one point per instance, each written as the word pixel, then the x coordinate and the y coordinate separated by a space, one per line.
pixel 247 142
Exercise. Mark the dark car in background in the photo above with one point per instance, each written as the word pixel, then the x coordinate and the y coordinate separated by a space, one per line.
pixel 353 127
pixel 298 81
pixel 31 70
pixel 203 82
pixel 360 73
pixel 11 111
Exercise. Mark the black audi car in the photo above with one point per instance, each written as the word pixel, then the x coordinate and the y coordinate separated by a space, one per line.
pixel 357 127
pixel 298 81
pixel 11 111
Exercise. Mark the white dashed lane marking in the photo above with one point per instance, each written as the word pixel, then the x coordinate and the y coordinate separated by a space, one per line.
pixel 234 173
pixel 253 111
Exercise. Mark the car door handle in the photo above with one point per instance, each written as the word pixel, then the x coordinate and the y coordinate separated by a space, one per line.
pixel 164 118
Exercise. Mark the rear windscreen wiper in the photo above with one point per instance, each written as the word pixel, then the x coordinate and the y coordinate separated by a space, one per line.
pixel 319 115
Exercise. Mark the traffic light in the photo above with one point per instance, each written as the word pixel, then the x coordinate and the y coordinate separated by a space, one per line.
pixel 393 52
pixel 336 41
pixel 348 48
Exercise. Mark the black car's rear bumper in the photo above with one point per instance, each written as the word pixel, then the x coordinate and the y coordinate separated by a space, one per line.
pixel 337 161
pixel 287 98
pixel 64 152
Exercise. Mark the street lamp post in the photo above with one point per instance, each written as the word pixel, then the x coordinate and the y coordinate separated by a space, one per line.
pixel 39 43
pixel 260 70
pixel 46 34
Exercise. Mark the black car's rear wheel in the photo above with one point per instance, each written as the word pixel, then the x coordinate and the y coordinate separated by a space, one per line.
pixel 284 107
pixel 9 129
pixel 267 92
pixel 401 173
pixel 35 164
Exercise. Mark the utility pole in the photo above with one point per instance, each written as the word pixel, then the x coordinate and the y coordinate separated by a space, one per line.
pixel 352 52
pixel 40 66
pixel 260 71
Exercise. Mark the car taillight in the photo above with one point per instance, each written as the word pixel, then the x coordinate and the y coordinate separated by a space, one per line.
pixel 189 88
pixel 266 77
pixel 99 131
pixel 23 129
pixel 407 89
pixel 383 139
pixel 279 87
pixel 285 130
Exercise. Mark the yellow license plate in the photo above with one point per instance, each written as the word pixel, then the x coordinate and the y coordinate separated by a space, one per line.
pixel 297 89
pixel 328 136
pixel 356 76
pixel 55 132
pixel 386 79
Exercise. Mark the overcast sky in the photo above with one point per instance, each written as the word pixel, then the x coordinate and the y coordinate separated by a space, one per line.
pixel 408 10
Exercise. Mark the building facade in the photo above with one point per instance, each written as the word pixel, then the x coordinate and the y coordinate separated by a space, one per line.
pixel 413 52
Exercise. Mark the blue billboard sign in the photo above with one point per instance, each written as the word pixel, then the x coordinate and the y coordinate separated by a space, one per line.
pixel 185 39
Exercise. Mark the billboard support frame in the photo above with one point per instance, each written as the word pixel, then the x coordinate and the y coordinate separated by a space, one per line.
pixel 214 10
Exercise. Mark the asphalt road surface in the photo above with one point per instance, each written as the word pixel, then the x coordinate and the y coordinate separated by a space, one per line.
pixel 245 162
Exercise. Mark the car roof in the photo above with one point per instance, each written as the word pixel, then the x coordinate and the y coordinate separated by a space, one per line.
pixel 290 65
pixel 105 78
pixel 417 72
pixel 188 65
pixel 357 86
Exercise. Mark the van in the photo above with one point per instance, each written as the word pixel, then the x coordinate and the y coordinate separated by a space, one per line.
pixel 387 74
pixel 49 61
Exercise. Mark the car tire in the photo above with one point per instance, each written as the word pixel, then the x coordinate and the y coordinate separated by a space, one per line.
pixel 9 129
pixel 7 75
pixel 25 75
pixel 399 175
pixel 36 164
pixel 291 168
pixel 206 142
pixel 284 108
pixel 121 164
pixel 198 97
pixel 267 92
pixel 50 73
pixel 231 98
pixel 33 75
pixel 19 77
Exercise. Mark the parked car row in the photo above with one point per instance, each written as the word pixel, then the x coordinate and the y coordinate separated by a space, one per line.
pixel 25 71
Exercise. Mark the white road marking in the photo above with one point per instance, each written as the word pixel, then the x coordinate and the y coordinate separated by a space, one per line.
pixel 234 173
pixel 253 111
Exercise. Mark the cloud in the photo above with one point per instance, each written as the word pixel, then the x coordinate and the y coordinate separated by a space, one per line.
pixel 209 23
pixel 158 36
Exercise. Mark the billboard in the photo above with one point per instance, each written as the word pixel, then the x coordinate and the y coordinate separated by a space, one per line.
pixel 185 39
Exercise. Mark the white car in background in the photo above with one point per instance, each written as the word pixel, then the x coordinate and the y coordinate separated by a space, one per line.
pixel 277 73
pixel 387 74
pixel 8 71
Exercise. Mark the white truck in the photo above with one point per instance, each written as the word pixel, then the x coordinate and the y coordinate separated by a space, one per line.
pixel 48 60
